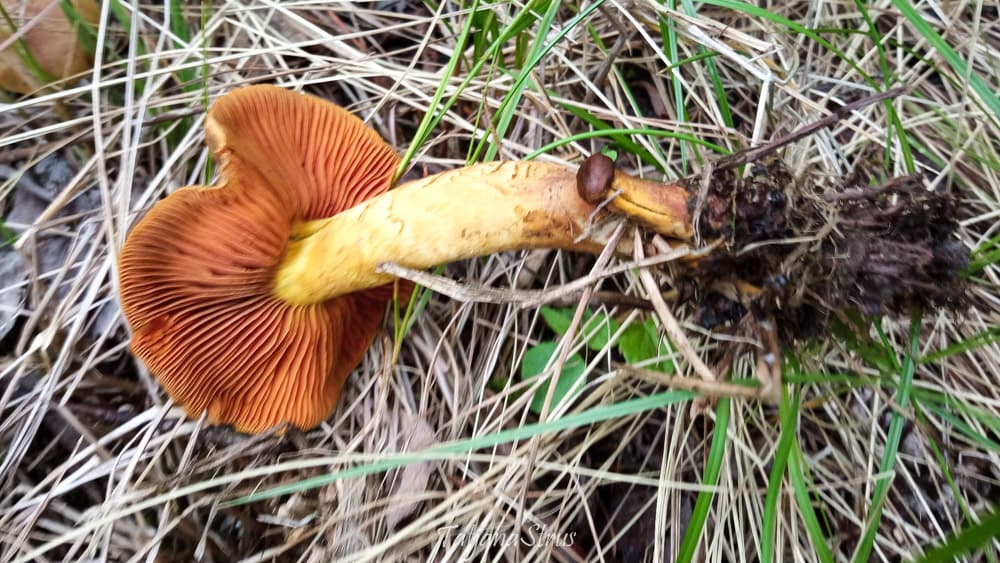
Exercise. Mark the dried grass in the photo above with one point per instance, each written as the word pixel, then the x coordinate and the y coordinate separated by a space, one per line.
pixel 96 464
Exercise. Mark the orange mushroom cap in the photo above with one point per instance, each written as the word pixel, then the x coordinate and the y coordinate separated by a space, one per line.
pixel 197 272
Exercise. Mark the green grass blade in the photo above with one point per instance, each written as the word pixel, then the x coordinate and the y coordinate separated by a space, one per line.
pixel 985 92
pixel 984 255
pixel 433 115
pixel 598 124
pixel 797 470
pixel 763 13
pixel 961 426
pixel 438 110
pixel 23 52
pixel 984 338
pixel 716 455
pixel 713 73
pixel 179 27
pixel 508 107
pixel 510 103
pixel 886 72
pixel 668 31
pixel 619 134
pixel 942 462
pixel 575 420
pixel 972 538
pixel 789 414
pixel 86 35
pixel 864 549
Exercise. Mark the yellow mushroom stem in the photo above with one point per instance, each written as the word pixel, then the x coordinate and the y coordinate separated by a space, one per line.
pixel 459 214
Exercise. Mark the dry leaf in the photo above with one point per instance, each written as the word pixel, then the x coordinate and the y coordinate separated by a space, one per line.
pixel 50 38
pixel 411 481
pixel 13 271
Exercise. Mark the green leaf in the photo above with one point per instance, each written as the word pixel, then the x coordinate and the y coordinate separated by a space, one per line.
pixel 536 360
pixel 7 236
pixel 635 344
pixel 557 319
pixel 640 343
pixel 597 328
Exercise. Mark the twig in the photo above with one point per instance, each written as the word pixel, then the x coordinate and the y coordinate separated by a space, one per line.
pixel 713 389
pixel 897 184
pixel 611 299
pixel 670 323
pixel 706 182
pixel 474 293
pixel 751 155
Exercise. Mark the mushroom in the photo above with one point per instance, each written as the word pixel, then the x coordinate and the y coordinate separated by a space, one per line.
pixel 255 298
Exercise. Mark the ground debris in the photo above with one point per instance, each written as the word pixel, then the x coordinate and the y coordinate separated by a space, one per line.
pixel 811 247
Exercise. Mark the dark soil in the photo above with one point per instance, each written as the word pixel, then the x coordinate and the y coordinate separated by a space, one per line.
pixel 815 248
